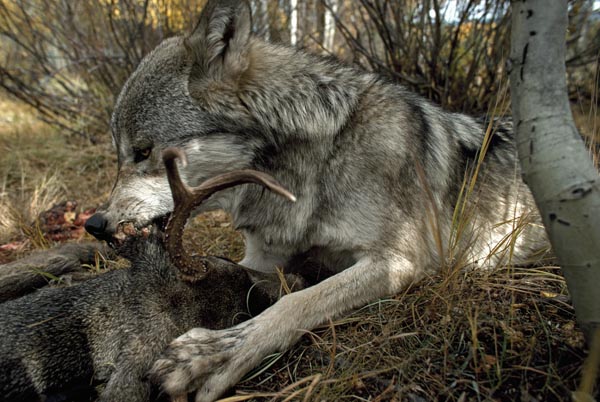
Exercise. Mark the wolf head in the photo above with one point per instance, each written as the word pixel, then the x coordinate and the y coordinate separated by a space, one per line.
pixel 230 101
pixel 184 94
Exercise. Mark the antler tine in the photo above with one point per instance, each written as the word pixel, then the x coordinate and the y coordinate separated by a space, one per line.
pixel 183 201
pixel 186 199
pixel 226 180
pixel 178 188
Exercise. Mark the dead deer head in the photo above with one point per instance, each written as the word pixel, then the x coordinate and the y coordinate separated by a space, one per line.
pixel 195 267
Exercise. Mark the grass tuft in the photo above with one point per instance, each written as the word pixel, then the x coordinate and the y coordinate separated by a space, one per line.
pixel 41 167
pixel 504 335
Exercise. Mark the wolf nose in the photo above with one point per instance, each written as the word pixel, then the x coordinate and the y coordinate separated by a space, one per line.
pixel 96 226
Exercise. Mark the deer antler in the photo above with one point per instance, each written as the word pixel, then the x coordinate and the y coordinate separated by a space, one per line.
pixel 186 199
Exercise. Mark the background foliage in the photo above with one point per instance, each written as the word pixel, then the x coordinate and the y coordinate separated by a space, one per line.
pixel 69 59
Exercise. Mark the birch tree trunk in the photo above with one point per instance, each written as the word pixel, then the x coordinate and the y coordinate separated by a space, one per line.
pixel 293 22
pixel 554 160
pixel 329 29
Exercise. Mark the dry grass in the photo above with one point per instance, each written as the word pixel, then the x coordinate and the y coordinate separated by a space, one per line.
pixel 41 166
pixel 506 335
pixel 213 233
pixel 509 334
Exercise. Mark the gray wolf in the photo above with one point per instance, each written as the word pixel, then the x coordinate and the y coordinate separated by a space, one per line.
pixel 349 144
pixel 58 342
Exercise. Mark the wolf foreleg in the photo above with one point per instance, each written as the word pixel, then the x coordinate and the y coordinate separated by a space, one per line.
pixel 212 361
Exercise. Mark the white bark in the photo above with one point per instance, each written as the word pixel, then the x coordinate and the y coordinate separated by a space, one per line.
pixel 554 160
pixel 329 29
pixel 294 22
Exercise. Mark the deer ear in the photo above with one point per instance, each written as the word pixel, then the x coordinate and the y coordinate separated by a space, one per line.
pixel 219 43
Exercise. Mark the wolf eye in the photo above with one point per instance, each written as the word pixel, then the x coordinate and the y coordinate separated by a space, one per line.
pixel 141 154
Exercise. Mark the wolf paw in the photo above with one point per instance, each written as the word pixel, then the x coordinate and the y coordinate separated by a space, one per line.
pixel 205 360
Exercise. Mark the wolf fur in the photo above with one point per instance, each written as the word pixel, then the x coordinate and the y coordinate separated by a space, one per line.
pixel 349 144
pixel 56 343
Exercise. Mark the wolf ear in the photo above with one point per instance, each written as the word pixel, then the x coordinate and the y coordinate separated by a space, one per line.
pixel 219 42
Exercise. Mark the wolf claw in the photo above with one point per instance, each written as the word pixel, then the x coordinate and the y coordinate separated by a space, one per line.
pixel 203 360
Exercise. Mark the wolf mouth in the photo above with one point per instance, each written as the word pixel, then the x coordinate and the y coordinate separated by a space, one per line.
pixel 128 230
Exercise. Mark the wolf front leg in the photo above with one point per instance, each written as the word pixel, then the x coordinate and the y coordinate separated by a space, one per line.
pixel 212 361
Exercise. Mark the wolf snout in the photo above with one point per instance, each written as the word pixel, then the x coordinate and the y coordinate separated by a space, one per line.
pixel 96 226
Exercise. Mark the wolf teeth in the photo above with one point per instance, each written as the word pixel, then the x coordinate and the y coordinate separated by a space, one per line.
pixel 128 229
